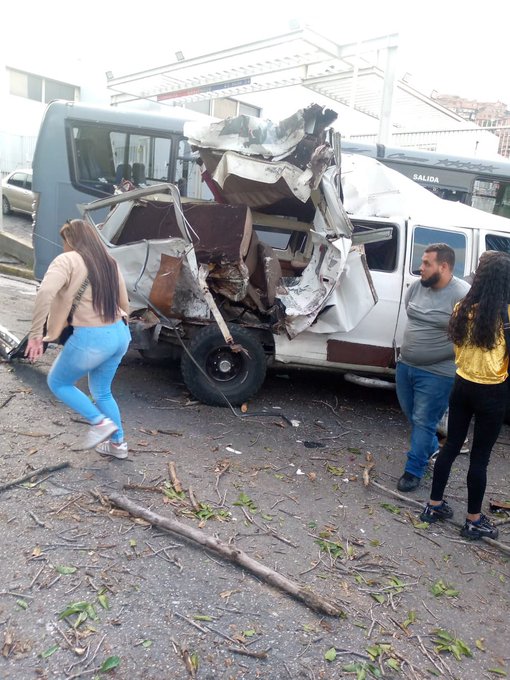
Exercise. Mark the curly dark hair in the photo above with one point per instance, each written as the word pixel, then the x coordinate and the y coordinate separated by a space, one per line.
pixel 477 319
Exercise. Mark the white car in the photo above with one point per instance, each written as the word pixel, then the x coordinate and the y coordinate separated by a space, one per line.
pixel 17 192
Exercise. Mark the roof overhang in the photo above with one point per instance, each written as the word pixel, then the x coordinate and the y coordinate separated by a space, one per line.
pixel 354 74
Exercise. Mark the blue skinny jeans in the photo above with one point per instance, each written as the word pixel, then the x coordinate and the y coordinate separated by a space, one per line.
pixel 423 397
pixel 95 352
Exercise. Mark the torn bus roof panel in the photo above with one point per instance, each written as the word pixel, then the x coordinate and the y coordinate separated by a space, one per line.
pixel 253 136
pixel 246 160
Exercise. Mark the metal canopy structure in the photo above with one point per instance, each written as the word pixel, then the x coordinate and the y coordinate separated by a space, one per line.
pixel 359 75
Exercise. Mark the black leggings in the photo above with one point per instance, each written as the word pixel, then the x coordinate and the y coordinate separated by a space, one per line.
pixel 487 403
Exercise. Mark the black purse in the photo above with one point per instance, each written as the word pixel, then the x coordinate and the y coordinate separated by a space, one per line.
pixel 67 331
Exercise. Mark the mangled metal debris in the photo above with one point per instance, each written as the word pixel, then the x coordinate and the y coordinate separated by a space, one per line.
pixel 268 260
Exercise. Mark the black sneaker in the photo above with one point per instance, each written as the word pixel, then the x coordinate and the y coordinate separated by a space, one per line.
pixel 408 482
pixel 435 513
pixel 483 528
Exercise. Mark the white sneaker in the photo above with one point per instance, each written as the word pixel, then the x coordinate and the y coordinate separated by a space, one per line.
pixel 465 447
pixel 109 448
pixel 433 458
pixel 97 434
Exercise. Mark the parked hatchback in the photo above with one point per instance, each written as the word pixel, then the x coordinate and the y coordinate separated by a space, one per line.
pixel 17 192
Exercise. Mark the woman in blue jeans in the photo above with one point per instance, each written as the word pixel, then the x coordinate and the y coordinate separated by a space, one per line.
pixel 480 390
pixel 85 283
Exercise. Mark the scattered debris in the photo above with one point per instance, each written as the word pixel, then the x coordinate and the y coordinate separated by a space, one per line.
pixel 235 555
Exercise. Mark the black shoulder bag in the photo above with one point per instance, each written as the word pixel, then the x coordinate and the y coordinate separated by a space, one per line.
pixel 67 331
pixel 18 351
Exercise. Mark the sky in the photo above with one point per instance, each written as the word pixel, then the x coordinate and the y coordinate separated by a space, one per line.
pixel 449 46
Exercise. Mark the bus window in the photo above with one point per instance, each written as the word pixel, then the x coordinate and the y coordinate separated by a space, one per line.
pixel 141 158
pixel 92 158
pixel 497 242
pixel 381 255
pixel 424 236
pixel 102 157
pixel 502 206
pixel 484 194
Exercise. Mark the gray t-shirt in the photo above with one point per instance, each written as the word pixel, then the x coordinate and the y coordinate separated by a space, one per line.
pixel 426 344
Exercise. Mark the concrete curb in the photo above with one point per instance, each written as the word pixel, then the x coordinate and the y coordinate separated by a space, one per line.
pixel 19 250
pixel 15 247
pixel 17 270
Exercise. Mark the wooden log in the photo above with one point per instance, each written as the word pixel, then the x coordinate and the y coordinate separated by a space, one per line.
pixel 231 553
pixel 40 471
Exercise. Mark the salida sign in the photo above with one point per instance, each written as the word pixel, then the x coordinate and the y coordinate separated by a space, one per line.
pixel 431 179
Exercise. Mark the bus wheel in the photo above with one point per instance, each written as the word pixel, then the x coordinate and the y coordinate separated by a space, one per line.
pixel 220 371
pixel 6 206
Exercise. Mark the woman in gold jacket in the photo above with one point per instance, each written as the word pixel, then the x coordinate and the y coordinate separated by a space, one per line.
pixel 480 390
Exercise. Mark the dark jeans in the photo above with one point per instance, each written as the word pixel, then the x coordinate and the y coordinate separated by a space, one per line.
pixel 423 397
pixel 487 403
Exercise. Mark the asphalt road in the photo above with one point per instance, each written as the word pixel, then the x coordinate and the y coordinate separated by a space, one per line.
pixel 290 497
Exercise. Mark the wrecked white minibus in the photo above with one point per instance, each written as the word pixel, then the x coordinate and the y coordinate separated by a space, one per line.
pixel 296 262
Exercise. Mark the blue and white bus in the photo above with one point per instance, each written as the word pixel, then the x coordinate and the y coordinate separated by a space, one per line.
pixel 83 152
pixel 482 184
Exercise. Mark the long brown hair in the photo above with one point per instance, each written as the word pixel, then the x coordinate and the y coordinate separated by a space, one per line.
pixel 102 269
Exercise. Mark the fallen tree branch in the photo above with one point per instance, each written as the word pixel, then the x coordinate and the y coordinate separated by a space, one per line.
pixel 230 553
pixel 504 547
pixel 173 478
pixel 34 473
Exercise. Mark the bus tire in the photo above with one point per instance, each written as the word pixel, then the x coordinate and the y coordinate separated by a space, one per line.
pixel 6 206
pixel 237 376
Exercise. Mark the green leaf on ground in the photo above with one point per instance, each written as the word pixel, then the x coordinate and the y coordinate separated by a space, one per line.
pixel 103 601
pixel 391 508
pixel 446 642
pixel 109 664
pixel 378 597
pixel 441 588
pixel 65 570
pixel 337 471
pixel 48 652
pixel 411 618
pixel 244 500
pixel 330 655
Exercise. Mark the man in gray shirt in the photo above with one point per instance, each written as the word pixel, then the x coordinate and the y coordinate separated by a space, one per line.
pixel 426 366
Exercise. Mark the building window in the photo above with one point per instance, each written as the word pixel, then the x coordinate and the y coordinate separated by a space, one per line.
pixel 39 89
pixel 55 90
pixel 26 85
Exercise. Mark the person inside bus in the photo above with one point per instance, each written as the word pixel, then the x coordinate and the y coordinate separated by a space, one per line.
pixel 85 282
pixel 480 390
